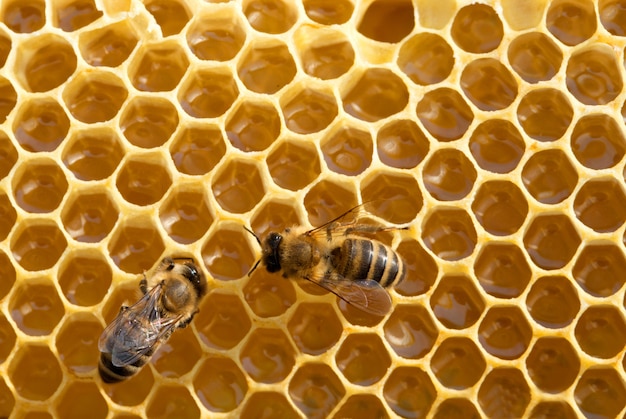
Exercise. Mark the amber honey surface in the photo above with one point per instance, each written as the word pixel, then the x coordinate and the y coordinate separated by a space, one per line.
pixel 132 130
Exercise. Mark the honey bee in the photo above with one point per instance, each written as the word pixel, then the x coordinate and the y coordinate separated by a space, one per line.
pixel 339 257
pixel 170 300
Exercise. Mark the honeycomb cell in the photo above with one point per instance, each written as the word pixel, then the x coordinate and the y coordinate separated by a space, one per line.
pixel 267 405
pixel 392 196
pixel 593 75
pixel 7 338
pixel 238 186
pixel 449 233
pixel 37 245
pixel 24 16
pixel 148 122
pixel 208 93
pixel 274 215
pixel 410 331
pixel 89 215
pixel 222 321
pixel 93 154
pixel 500 207
pixel 76 14
pixel 36 308
pixel 362 406
pixel 504 332
pixel 294 165
pixel 143 179
pixel 488 84
pixel 268 295
pixel 227 254
pixel 185 213
pixel 172 400
pixel 401 144
pixel 456 302
pixel 40 125
pixel 8 215
pixel 178 355
pixel 31 413
pixel 218 36
pixel 8 155
pixel 327 200
pixel 553 364
pixel 502 270
pixel 477 28
pixel 7 400
pixel 457 363
pixel 77 343
pixel 549 176
pixel 601 331
pixel 377 94
pixel 325 54
pixel 426 58
pixel 598 142
pixel 571 21
pixel 551 241
pixel 45 62
pixel 553 409
pixel 109 45
pixel 219 384
pixel 421 269
pixel 35 372
pixel 497 146
pixel 314 328
pixel 80 400
pixel 374 23
pixel 158 67
pixel 444 113
pixel 545 114
pixel 196 150
pixel 308 111
pixel 409 392
pixel 553 302
pixel 270 16
pixel 354 315
pixel 448 175
pixel 267 356
pixel 363 359
pixel 600 393
pixel 612 17
pixel 456 408
pixel 95 96
pixel 7 273
pixel 253 126
pixel 504 393
pixel 135 245
pixel 266 67
pixel 534 57
pixel 133 391
pixel 9 98
pixel 329 12
pixel 315 390
pixel 5 47
pixel 600 269
pixel 171 16
pixel 347 151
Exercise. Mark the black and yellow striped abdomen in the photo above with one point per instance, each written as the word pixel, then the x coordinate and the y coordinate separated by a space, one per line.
pixel 359 259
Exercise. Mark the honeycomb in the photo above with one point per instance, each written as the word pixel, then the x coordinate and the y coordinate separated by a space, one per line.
pixel 132 130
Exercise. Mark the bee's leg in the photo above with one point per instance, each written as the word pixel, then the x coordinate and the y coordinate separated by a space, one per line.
pixel 167 264
pixel 185 323
pixel 123 309
pixel 143 285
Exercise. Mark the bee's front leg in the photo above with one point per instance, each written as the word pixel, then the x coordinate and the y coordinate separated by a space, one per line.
pixel 143 285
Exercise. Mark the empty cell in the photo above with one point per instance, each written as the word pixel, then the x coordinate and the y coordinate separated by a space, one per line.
pixel 218 36
pixel 347 151
pixel 37 245
pixel 73 15
pixel 613 16
pixel 401 144
pixel 601 205
pixel 456 302
pixel 549 176
pixel 89 215
pixel 448 175
pixel 186 214
pixel 219 384
pixel 238 186
pixel 571 21
pixel 81 399
pixel 267 356
pixel 553 409
pixel 93 154
pixel 208 93
pixel 598 142
pixel 148 122
pixel 477 28
pixel 500 207
pixel 315 390
pixel 108 45
pixel 5 47
pixel 374 23
pixel 600 393
pixel 426 58
pixel 314 328
pixel 545 114
pixel 178 355
pixel 196 149
pixel 158 67
pixel 534 57
pixel 266 67
pixel 504 332
pixel 362 359
pixel 504 393
pixel 172 400
pixel 7 273
pixel 601 331
pixel 45 62
pixel 600 269
pixel 551 241
pixel 268 404
pixel 488 84
pixel 143 179
pixel 24 16
pixel 553 364
pixel 593 75
pixel 36 308
pixel 362 406
pixel 171 16
pixel 449 233
pixel 222 321
pixel 77 343
pixel 35 372
pixel 458 363
pixel 410 331
pixel 8 215
pixel 253 126
pixel 135 245
pixel 8 155
pixel 377 94
pixel 95 96
pixel 553 302
pixel 409 392
pixel 329 12
pixel 444 114
pixel 40 125
pixel 227 254
pixel 327 200
pixel 392 196
pixel 307 111
pixel 7 338
pixel 274 215
pixel 324 53
pixel 497 145
pixel 502 270
pixel 270 16
pixel 85 277
pixel 268 295
pixel 456 408
pixel 293 164
pixel 525 15
pixel 421 269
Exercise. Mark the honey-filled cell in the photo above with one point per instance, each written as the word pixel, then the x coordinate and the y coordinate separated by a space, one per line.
pixel 328 199
pixel 601 331
pixel 504 393
pixel 553 409
pixel 266 67
pixel 79 400
pixel 347 151
pixel 477 29
pixel 456 302
pixel 35 372
pixel 553 302
pixel 426 58
pixel 132 391
pixel 185 214
pixel 374 23
pixel 488 84
pixel 534 57
pixel 172 400
pixel 178 355
pixel 7 400
pixel 253 126
pixel 89 215
pixel 362 406
pixel 274 215
pixel 409 392
pixel 497 145
pixel 5 47
pixel 108 45
pixel 9 96
pixel 24 16
pixel 73 15
pixel 377 93
pixel 449 233
pixel 158 67
pixel 392 196
pixel 223 321
pixel 93 154
pixel 549 176
pixel 502 270
pixel 593 75
pixel 553 364
pixel 545 114
pixel 456 408
pixel 268 295
pixel 196 149
pixel 267 405
pixel 293 164
pixel 421 269
pixel 315 389
pixel 208 93
pixel 238 186
pixel 401 144
pixel 551 241
pixel 77 343
pixel 458 363
pixel 500 207
pixel 600 204
pixel 307 111
pixel 8 215
pixel 84 277
pixel 219 384
pixel 444 114
pixel 267 356
pixel 410 331
pixel 504 332
pixel 37 245
pixel 270 16
pixel 36 308
pixel 600 269
pixel 40 125
pixel 8 155
pixel 449 175
pixel 600 392
pixel 171 16
pixel 362 359
pixel 148 122
pixel 95 96
pixel 7 273
pixel 329 12
pixel 314 328
pixel 612 16
pixel 325 54
pixel 7 338
pixel 571 21
pixel 227 254
pixel 218 36
pixel 598 141
pixel 135 245
pixel 144 179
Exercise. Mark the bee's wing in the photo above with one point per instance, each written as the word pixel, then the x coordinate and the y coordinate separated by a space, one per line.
pixel 366 294
pixel 350 222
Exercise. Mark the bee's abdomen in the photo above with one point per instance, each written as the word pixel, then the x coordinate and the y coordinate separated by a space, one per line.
pixel 110 373
pixel 370 259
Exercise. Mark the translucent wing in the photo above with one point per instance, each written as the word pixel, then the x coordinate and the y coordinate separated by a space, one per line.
pixel 365 294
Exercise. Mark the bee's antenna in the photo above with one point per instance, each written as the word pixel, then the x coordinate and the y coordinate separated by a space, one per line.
pixel 255 236
pixel 254 267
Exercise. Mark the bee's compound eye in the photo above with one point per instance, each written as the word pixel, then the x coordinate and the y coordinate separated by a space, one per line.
pixel 274 240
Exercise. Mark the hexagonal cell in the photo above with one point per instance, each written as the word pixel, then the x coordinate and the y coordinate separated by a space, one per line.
pixel 448 175
pixel 124 294
pixel 504 393
pixel 77 343
pixel 601 331
pixel 36 308
pixel 315 389
pixel 409 392
pixel 456 408
pixel 553 364
pixel 477 28
pixel 94 96
pixel 549 176
pixel 377 94
pixel 551 241
pixel 267 356
pixel 132 391
pixel 8 215
pixel 197 149
pixel 329 12
pixel 7 273
pixel 238 186
pixel 216 36
pixel 426 58
pixel 171 16
pixel 266 67
pixel 148 122
pixel 354 315
pixel 374 23
pixel 7 400
pixel 9 96
pixel 545 114
pixel 93 154
pixel 35 372
pixel 363 359
pixel 502 270
pixel 24 16
pixel 108 45
pixel 274 215
pixel 84 278
pixel 362 406
pixel 612 17
pixel 401 144
pixel 158 67
pixel 222 321
pixel 534 57
pixel 7 338
pixel 444 113
pixel 410 331
pixel 143 179
pixel 178 355
pixel 293 165
pixel 571 21
pixel 73 15
pixel 553 302
pixel 227 254
pixel 5 47
pixel 324 53
pixel 268 404
pixel 504 332
pixel 40 125
pixel 458 363
pixel 593 75
pixel 270 16
pixel 219 384
pixel 600 269
pixel 208 93
pixel 307 110
pixel 553 409
pixel 392 196
pixel 327 200
pixel 314 328
pixel 347 151
pixel 598 142
pixel 253 126
pixel 185 214
pixel 135 245
pixel 600 392
pixel 80 400
pixel 268 295
pixel 421 269
pixel 497 145
pixel 456 302
pixel 89 215
pixel 37 245
pixel 39 185
pixel 488 84
pixel 500 207
pixel 172 400
pixel 45 62
pixel 30 413
pixel 449 233
pixel 8 155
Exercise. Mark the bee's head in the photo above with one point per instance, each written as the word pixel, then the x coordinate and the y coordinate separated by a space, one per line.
pixel 271 255
pixel 196 278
